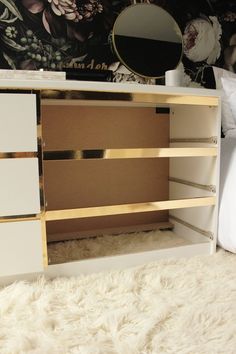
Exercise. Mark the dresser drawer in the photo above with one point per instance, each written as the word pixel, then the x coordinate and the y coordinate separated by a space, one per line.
pixel 19 186
pixel 18 122
pixel 20 247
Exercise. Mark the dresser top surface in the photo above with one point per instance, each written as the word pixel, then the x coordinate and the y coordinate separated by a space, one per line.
pixel 70 85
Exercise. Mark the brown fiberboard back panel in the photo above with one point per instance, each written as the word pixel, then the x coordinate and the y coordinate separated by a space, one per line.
pixel 81 127
pixel 98 182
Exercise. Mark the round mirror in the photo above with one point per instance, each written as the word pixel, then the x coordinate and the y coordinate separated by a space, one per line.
pixel 147 40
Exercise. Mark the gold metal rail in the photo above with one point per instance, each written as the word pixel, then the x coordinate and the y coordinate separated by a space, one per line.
pixel 207 187
pixel 210 140
pixel 208 234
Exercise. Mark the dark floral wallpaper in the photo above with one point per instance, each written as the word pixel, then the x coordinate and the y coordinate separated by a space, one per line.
pixel 59 34
pixel 54 34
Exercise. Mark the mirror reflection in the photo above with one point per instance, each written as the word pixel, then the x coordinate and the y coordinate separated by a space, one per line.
pixel 147 40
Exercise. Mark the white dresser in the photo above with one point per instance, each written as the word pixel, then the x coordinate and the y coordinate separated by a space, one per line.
pixel 79 159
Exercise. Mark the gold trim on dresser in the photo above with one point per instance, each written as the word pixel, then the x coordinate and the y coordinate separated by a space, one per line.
pixel 44 240
pixel 128 153
pixel 127 208
pixel 17 155
pixel 134 97
pixel 14 218
pixel 41 182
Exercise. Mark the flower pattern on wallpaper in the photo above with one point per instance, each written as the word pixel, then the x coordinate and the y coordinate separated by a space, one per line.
pixel 209 31
pixel 64 13
pixel 55 34
pixel 201 40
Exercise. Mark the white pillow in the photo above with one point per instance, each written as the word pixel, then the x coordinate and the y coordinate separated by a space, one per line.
pixel 228 118
pixel 220 73
pixel 229 87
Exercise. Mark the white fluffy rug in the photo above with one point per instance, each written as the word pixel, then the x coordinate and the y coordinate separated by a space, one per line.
pixel 110 245
pixel 170 306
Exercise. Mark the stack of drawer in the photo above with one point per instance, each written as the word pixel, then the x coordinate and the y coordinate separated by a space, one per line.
pixel 20 224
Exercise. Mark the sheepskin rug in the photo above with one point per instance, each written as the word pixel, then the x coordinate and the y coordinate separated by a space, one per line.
pixel 185 306
pixel 111 245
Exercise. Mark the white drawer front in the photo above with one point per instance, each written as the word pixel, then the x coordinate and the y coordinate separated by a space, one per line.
pixel 20 247
pixel 18 122
pixel 19 186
